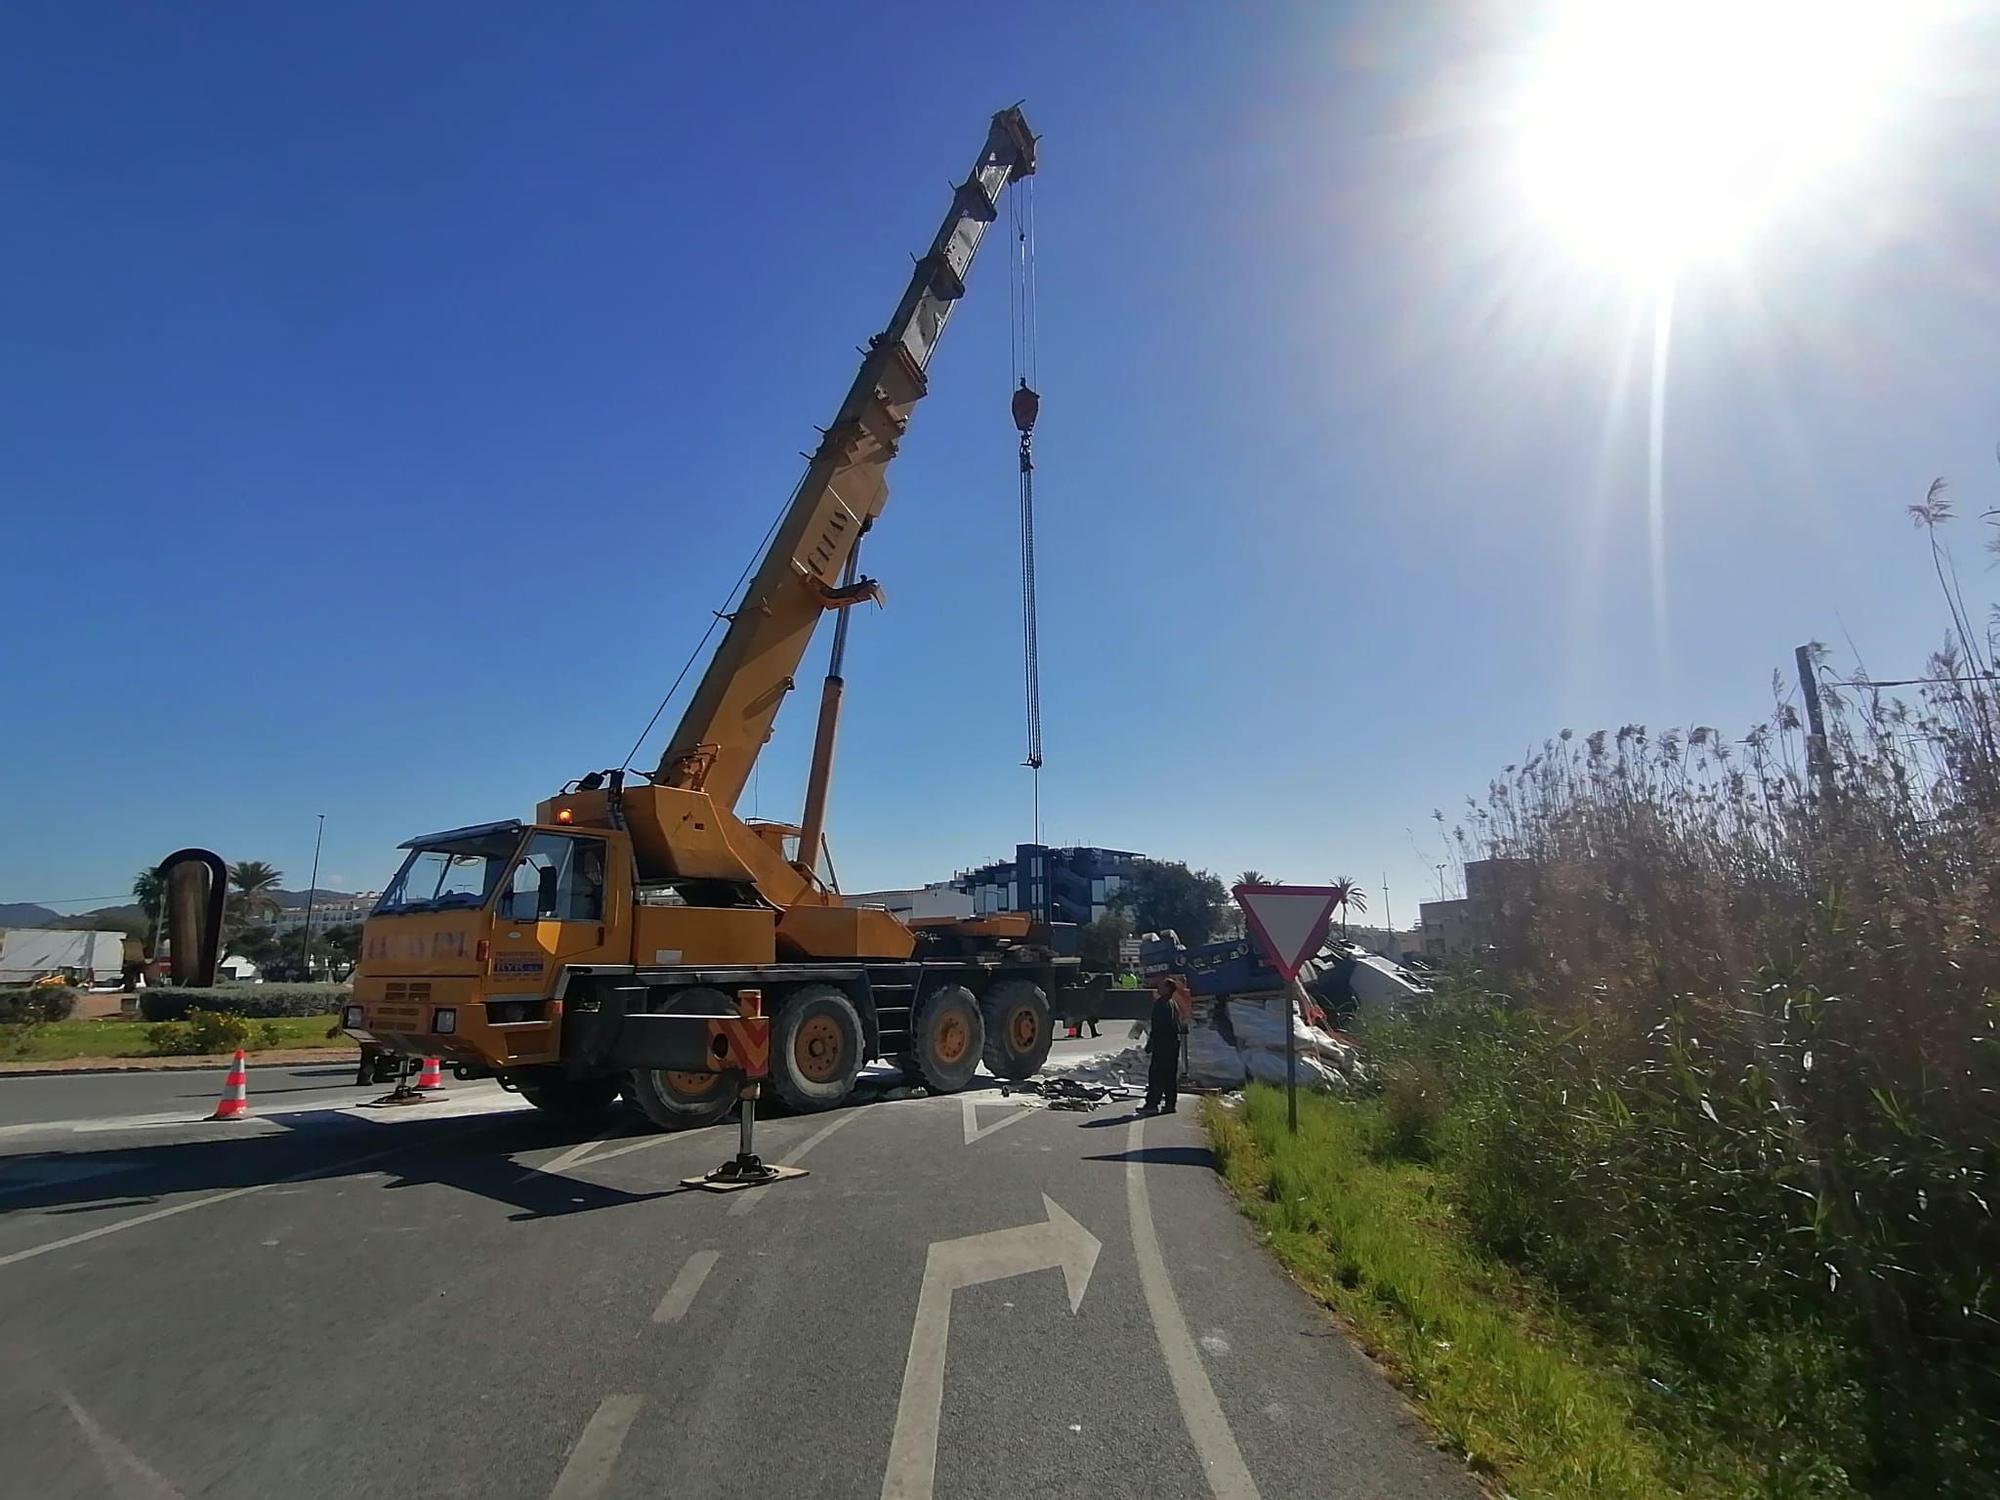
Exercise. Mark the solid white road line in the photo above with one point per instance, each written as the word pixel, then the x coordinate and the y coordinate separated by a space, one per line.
pixel 747 1199
pixel 471 1102
pixel 330 1170
pixel 974 1131
pixel 591 1460
pixel 673 1307
pixel 1221 1459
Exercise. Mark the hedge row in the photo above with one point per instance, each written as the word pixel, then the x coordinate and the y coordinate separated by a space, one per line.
pixel 30 1004
pixel 257 1001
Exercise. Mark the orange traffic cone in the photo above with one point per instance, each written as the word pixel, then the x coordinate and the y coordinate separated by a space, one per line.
pixel 235 1101
pixel 432 1076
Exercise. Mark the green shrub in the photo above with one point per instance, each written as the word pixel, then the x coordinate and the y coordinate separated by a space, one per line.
pixel 257 1001
pixel 1793 1233
pixel 203 1031
pixel 28 1004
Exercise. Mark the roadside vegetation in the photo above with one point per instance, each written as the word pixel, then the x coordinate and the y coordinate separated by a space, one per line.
pixel 62 1041
pixel 254 1001
pixel 1528 1394
pixel 36 1023
pixel 1721 1093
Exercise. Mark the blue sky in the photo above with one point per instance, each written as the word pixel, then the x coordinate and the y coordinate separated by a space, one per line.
pixel 390 393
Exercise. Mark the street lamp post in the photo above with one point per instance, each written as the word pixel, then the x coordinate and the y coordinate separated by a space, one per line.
pixel 312 889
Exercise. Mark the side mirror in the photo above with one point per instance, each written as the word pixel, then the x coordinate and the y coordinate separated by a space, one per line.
pixel 545 893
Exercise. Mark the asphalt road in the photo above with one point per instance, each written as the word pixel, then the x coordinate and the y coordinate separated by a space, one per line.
pixel 966 1297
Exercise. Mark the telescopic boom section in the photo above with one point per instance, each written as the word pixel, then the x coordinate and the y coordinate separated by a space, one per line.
pixel 730 716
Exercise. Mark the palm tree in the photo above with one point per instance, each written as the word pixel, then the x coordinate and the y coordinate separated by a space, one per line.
pixel 1254 877
pixel 1348 893
pixel 150 891
pixel 255 881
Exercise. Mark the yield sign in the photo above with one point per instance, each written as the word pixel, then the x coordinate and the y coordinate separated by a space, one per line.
pixel 1288 921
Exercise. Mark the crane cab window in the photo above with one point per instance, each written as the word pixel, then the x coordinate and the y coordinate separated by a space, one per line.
pixel 559 878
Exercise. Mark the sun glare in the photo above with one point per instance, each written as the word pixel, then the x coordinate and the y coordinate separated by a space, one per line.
pixel 1656 134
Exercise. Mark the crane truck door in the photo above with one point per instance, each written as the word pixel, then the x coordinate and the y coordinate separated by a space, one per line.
pixel 556 908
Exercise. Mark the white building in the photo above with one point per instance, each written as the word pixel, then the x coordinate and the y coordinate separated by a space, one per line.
pixel 332 911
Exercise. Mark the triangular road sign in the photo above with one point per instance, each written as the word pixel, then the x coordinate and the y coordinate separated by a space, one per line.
pixel 1288 921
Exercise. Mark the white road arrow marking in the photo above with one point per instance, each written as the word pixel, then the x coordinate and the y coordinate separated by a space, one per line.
pixel 975 1131
pixel 1058 1242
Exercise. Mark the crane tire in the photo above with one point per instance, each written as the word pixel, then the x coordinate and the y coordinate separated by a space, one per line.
pixel 948 1035
pixel 573 1101
pixel 816 1047
pixel 1019 1029
pixel 683 1101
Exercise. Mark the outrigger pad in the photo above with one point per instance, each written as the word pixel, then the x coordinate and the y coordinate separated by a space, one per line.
pixel 725 1180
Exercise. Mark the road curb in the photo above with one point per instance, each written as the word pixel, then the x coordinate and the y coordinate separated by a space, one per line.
pixel 283 1058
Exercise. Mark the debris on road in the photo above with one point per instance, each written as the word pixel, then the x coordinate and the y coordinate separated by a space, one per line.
pixel 1230 1042
pixel 1066 1092
pixel 1113 1069
pixel 1238 1040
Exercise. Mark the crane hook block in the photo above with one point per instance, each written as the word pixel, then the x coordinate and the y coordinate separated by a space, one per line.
pixel 1026 405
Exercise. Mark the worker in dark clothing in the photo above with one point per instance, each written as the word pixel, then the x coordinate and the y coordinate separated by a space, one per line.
pixel 1163 1043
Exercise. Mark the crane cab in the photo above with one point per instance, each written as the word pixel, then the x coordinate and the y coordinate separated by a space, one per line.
pixel 463 955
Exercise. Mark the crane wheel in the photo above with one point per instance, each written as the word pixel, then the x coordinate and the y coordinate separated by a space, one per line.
pixel 1019 1029
pixel 816 1046
pixel 949 1035
pixel 681 1101
pixel 573 1101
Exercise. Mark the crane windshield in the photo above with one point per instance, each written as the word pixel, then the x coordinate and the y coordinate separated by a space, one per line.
pixel 450 875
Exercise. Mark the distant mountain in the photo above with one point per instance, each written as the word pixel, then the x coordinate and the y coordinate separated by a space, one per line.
pixel 126 919
pixel 24 914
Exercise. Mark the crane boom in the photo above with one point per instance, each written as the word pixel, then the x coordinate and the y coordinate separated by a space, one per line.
pixel 730 716
pixel 591 954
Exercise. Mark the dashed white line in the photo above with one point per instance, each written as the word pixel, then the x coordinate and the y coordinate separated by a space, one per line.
pixel 596 1452
pixel 747 1199
pixel 1221 1460
pixel 673 1307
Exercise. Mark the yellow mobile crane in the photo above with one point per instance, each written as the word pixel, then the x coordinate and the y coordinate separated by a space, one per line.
pixel 567 955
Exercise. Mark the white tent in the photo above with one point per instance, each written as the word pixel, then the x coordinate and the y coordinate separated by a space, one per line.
pixel 27 953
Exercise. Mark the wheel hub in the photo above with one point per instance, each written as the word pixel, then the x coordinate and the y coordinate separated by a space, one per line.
pixel 690 1083
pixel 817 1050
pixel 952 1036
pixel 1022 1028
